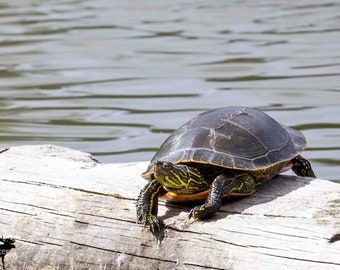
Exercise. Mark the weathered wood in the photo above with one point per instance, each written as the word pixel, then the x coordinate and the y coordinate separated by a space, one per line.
pixel 67 211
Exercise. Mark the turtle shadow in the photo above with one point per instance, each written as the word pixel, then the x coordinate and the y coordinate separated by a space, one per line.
pixel 274 188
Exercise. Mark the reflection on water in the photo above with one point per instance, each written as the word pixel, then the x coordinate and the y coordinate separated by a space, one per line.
pixel 115 78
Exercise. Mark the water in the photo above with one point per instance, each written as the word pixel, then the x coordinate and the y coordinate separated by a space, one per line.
pixel 115 78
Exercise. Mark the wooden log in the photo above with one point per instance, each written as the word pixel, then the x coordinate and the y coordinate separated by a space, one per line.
pixel 68 211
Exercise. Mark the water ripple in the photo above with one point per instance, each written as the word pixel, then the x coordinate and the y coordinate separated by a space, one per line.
pixel 116 78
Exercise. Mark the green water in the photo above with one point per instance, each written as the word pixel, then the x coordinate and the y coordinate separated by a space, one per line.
pixel 115 78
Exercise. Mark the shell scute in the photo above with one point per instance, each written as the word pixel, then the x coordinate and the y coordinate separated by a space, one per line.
pixel 232 137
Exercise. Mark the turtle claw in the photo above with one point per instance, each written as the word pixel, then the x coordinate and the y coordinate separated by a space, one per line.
pixel 194 213
pixel 152 221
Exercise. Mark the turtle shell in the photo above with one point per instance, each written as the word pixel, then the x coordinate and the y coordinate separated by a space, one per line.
pixel 239 138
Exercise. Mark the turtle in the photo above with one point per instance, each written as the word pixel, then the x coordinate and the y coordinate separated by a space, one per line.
pixel 228 151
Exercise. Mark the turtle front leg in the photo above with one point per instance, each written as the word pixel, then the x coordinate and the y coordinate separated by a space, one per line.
pixel 147 205
pixel 302 167
pixel 223 186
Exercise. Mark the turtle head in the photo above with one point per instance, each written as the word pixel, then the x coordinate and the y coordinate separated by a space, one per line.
pixel 179 178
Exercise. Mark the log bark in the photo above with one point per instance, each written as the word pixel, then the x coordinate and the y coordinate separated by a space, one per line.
pixel 68 211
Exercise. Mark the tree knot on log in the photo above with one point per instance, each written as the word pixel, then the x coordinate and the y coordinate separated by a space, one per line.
pixel 334 238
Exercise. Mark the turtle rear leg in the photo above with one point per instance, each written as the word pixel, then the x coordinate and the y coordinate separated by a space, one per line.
pixel 223 186
pixel 302 167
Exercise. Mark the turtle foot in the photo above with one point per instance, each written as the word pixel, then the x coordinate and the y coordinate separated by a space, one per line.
pixel 204 211
pixel 151 221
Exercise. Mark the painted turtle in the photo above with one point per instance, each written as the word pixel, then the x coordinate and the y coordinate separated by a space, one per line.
pixel 223 152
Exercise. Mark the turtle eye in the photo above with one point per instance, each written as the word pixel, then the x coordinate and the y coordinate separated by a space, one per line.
pixel 168 164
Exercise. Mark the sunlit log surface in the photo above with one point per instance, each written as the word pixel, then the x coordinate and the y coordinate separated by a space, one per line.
pixel 68 211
